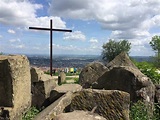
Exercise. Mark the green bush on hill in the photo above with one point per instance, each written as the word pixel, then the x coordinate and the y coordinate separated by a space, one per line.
pixel 139 112
pixel 149 70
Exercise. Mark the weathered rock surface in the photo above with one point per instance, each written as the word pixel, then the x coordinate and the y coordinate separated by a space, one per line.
pixel 15 86
pixel 157 94
pixel 121 60
pixel 91 73
pixel 38 75
pixel 111 104
pixel 68 88
pixel 55 108
pixel 78 115
pixel 61 90
pixel 61 78
pixel 42 84
pixel 130 80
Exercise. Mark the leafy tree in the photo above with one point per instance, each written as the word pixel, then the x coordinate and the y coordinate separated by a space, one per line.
pixel 150 70
pixel 113 48
pixel 155 44
pixel 1 53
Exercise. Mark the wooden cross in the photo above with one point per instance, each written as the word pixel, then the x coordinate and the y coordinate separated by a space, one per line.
pixel 50 29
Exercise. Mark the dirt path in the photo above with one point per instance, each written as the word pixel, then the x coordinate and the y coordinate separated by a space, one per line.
pixel 74 76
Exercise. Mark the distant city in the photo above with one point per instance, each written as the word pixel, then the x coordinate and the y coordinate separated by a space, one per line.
pixel 77 61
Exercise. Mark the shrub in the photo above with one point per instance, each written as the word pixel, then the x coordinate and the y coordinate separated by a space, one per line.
pixel 30 114
pixel 139 111
pixel 149 70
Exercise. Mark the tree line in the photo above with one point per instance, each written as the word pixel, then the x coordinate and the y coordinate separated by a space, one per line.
pixel 113 48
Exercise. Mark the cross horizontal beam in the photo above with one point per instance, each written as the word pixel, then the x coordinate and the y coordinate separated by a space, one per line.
pixel 51 30
pixel 62 30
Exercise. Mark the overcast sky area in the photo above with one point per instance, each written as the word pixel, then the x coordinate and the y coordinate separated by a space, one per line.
pixel 93 23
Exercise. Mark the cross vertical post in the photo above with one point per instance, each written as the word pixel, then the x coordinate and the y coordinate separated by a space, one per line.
pixel 51 30
pixel 51 47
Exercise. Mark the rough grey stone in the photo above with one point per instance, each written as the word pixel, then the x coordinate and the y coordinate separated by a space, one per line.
pixel 91 73
pixel 61 90
pixel 79 115
pixel 61 78
pixel 157 94
pixel 130 80
pixel 15 85
pixel 121 60
pixel 55 108
pixel 111 104
pixel 42 84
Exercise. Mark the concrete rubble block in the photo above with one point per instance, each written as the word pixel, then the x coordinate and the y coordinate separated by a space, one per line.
pixel 15 85
pixel 121 60
pixel 61 78
pixel 111 104
pixel 38 75
pixel 91 73
pixel 58 91
pixel 42 84
pixel 79 115
pixel 55 108
pixel 130 80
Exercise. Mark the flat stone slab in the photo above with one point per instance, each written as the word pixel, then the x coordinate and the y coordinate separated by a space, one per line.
pixel 58 91
pixel 68 88
pixel 111 104
pixel 55 108
pixel 79 115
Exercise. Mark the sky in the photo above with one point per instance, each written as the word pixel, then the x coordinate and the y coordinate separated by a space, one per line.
pixel 93 23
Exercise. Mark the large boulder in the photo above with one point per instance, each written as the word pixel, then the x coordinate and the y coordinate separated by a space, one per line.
pixel 91 73
pixel 79 115
pixel 15 86
pixel 121 60
pixel 42 84
pixel 111 104
pixel 58 91
pixel 130 80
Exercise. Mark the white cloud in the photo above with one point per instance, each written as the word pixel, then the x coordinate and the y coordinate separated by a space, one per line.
pixel 76 35
pixel 94 46
pixel 17 12
pixel 21 46
pixel 24 13
pixel 1 36
pixel 14 40
pixel 71 49
pixel 93 40
pixel 126 19
pixel 45 22
pixel 65 48
pixel 11 31
pixel 18 46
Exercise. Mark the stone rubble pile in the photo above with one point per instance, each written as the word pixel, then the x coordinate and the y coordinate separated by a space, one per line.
pixel 105 91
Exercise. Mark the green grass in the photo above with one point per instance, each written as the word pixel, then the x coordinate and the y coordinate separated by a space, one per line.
pixel 67 74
